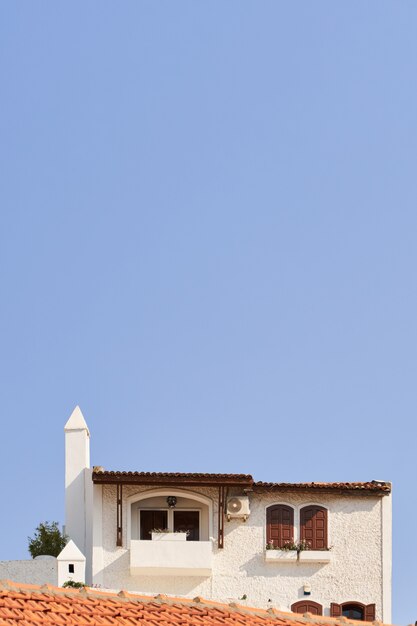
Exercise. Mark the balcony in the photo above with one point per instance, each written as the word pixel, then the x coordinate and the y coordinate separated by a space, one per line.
pixel 170 558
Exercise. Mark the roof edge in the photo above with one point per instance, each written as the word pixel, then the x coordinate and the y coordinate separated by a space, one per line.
pixel 373 487
pixel 100 476
pixel 246 481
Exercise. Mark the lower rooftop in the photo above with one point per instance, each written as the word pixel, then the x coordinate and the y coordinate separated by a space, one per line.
pixel 31 605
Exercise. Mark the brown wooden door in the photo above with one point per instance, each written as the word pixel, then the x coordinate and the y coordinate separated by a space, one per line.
pixel 307 606
pixel 314 527
pixel 149 520
pixel 188 521
pixel 279 525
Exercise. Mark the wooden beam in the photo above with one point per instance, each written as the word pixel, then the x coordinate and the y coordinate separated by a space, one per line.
pixel 119 507
pixel 221 508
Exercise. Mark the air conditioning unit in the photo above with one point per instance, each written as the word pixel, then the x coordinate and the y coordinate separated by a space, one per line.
pixel 238 506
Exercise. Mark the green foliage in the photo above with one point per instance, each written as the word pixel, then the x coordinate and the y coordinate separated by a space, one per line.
pixel 72 583
pixel 48 539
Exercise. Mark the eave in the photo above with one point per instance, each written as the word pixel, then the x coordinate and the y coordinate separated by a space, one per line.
pixel 160 479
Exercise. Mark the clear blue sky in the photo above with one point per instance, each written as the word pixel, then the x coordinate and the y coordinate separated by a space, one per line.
pixel 208 228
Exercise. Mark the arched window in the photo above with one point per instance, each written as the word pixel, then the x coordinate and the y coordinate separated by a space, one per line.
pixel 313 523
pixel 307 606
pixel 353 610
pixel 279 525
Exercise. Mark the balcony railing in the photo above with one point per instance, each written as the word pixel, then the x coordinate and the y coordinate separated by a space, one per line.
pixel 172 558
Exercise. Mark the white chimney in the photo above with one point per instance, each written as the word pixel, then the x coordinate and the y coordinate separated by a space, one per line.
pixel 71 564
pixel 77 479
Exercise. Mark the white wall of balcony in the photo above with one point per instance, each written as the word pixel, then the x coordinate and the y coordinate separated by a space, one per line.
pixel 171 558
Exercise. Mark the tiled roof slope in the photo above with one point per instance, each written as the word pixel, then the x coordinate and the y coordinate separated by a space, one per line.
pixel 30 605
pixel 100 475
pixel 374 486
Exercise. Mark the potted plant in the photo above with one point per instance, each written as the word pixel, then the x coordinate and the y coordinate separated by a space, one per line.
pixel 289 551
pixel 165 534
pixel 295 551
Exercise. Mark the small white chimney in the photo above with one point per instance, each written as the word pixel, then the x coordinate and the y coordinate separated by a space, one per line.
pixel 71 564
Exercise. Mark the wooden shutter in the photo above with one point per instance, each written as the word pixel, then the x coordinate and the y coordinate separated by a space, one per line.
pixel 335 610
pixel 370 613
pixel 314 526
pixel 279 524
pixel 307 606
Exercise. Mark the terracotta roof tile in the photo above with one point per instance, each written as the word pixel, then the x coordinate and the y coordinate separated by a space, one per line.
pixel 188 478
pixel 29 605
pixel 102 476
pixel 373 486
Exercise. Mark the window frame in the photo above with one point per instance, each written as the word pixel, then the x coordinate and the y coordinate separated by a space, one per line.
pixel 297 519
pixel 170 516
pixel 336 610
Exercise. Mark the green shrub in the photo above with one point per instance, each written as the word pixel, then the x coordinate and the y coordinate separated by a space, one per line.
pixel 48 539
pixel 72 583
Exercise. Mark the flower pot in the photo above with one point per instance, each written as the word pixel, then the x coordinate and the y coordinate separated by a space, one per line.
pixel 315 556
pixel 169 536
pixel 280 556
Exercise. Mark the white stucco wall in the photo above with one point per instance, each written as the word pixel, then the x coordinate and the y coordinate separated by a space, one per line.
pixel 30 571
pixel 355 572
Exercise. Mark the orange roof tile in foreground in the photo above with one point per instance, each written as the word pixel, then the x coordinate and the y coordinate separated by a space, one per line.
pixel 31 605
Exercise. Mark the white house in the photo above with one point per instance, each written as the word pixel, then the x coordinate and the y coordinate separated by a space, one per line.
pixel 318 547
